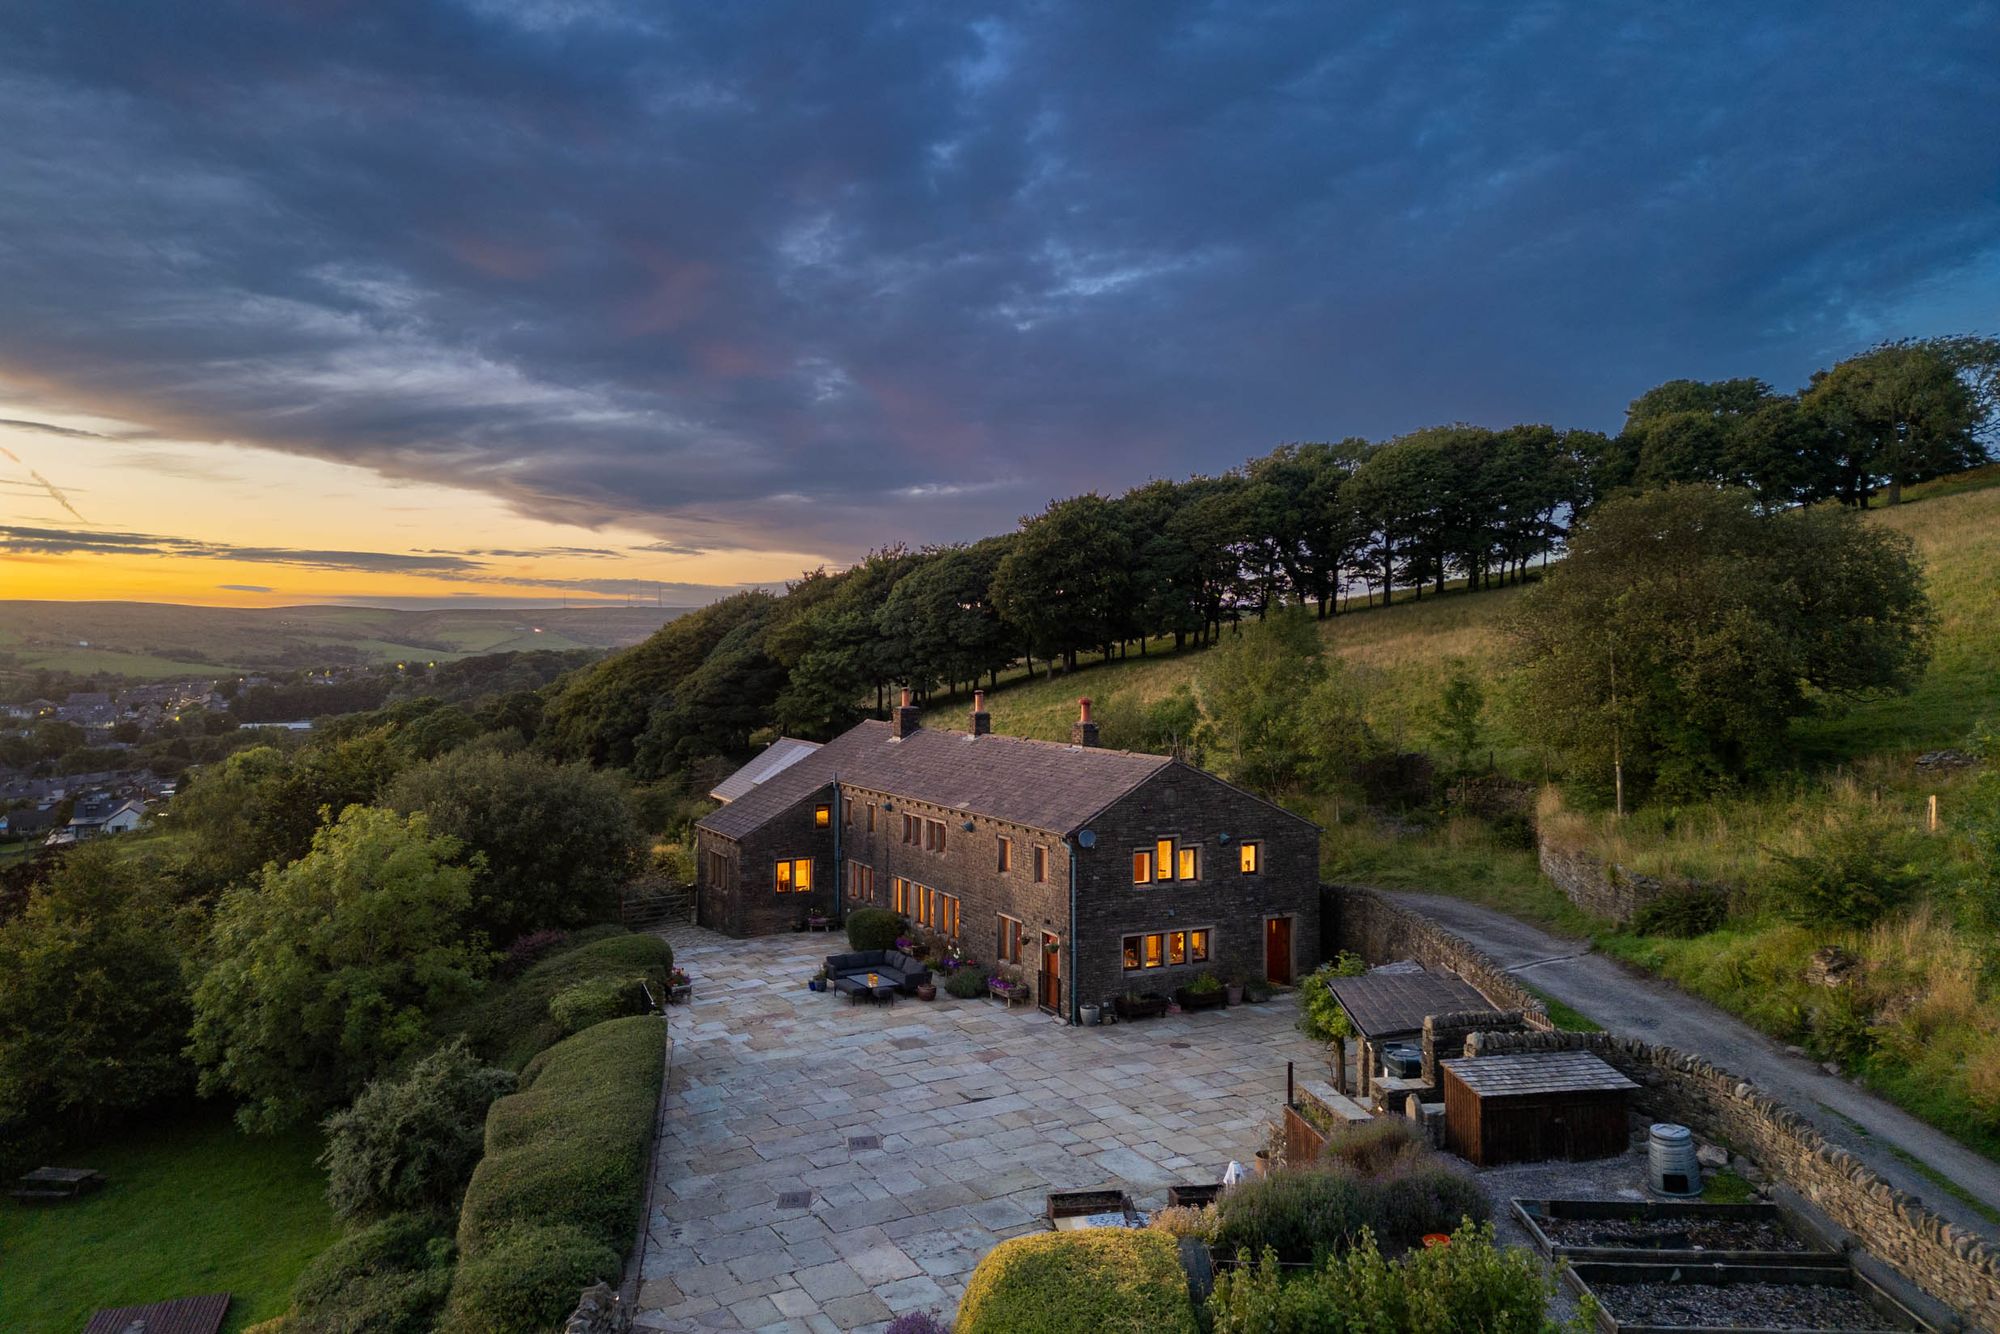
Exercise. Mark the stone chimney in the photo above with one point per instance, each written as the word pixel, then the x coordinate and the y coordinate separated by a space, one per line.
pixel 982 721
pixel 905 716
pixel 1083 732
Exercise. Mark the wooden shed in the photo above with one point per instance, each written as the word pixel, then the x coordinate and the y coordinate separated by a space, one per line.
pixel 1533 1107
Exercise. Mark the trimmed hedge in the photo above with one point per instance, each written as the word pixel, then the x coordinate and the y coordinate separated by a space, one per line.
pixel 390 1278
pixel 512 1020
pixel 875 928
pixel 564 1172
pixel 528 1280
pixel 1108 1280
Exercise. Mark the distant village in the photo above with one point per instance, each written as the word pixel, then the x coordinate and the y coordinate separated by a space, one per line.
pixel 56 809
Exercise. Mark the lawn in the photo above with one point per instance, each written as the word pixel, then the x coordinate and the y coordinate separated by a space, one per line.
pixel 191 1207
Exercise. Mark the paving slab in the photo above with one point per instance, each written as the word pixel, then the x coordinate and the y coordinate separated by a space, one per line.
pixel 980 1111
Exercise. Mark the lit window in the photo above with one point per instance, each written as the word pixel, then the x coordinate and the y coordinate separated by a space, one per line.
pixel 1177 947
pixel 1153 944
pixel 1250 857
pixel 795 875
pixel 901 890
pixel 1006 854
pixel 1142 868
pixel 1188 864
pixel 1163 859
pixel 1197 947
pixel 1131 951
pixel 1041 865
pixel 822 816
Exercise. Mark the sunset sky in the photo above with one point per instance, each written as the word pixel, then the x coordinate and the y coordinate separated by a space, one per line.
pixel 569 298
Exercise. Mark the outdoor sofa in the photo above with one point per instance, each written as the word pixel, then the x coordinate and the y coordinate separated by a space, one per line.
pixel 893 965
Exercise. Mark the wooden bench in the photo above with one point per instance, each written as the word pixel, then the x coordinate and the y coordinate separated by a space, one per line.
pixel 49 1184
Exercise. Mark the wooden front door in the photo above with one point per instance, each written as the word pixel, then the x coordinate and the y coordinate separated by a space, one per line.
pixel 1278 950
pixel 1050 993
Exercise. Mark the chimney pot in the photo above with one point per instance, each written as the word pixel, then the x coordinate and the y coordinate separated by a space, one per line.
pixel 906 716
pixel 906 697
pixel 1083 732
pixel 982 721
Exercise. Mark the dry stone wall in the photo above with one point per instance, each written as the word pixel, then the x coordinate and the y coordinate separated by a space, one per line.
pixel 1609 892
pixel 1957 1267
pixel 1380 932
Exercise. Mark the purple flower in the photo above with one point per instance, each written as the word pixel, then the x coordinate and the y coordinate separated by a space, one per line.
pixel 918 1322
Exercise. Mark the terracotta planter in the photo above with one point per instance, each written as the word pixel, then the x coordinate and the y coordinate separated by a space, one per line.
pixel 926 991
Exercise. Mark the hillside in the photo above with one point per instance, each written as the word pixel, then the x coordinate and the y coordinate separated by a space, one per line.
pixel 138 639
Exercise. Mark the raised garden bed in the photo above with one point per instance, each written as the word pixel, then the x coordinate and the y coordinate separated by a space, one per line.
pixel 1737 1298
pixel 1189 999
pixel 1074 1209
pixel 1193 1197
pixel 1674 1233
pixel 1139 1007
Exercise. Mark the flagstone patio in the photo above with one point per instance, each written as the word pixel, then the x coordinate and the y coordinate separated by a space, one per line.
pixel 775 1211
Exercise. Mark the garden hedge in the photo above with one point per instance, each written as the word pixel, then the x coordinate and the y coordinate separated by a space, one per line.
pixel 389 1278
pixel 511 1021
pixel 528 1280
pixel 1109 1280
pixel 875 928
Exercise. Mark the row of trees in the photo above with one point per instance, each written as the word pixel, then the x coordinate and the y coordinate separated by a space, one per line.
pixel 1313 525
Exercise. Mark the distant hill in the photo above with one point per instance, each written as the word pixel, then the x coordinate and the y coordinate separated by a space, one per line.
pixel 148 639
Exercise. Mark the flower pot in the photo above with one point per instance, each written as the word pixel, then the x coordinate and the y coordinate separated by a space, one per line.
pixel 1189 999
pixel 1089 1014
pixel 1235 992
pixel 1261 1164
pixel 816 984
pixel 926 991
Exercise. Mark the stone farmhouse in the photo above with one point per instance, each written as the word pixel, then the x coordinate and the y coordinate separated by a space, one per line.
pixel 1094 871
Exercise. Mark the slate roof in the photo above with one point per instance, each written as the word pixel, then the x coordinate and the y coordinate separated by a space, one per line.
pixel 186 1315
pixel 1537 1073
pixel 773 759
pixel 1383 1004
pixel 1039 784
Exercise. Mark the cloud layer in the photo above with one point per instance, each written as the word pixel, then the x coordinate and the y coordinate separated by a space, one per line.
pixel 799 276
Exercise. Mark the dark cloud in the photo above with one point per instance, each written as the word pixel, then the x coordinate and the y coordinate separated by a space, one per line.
pixel 246 588
pixel 824 277
pixel 49 428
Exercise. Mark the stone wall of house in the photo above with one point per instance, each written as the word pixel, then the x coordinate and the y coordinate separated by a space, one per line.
pixel 1603 890
pixel 1199 811
pixel 1957 1267
pixel 1380 932
pixel 966 867
pixel 746 901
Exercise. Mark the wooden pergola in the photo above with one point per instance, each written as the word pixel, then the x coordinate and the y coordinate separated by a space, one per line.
pixel 1388 1007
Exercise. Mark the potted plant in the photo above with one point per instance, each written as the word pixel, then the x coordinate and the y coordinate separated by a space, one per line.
pixel 926 991
pixel 1204 993
pixel 1089 1013
pixel 1132 1005
pixel 818 981
pixel 1007 985
pixel 679 985
pixel 1233 988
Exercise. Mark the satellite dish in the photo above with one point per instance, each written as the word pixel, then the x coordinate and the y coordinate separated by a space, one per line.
pixel 1087 839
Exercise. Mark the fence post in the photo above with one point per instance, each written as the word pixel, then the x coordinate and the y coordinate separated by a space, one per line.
pixel 1288 1084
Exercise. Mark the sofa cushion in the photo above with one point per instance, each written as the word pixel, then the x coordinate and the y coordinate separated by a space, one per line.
pixel 847 963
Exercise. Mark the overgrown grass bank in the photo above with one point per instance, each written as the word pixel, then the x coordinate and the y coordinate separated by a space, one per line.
pixel 190 1207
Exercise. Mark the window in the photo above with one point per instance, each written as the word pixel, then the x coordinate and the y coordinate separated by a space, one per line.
pixel 930 833
pixel 1163 859
pixel 795 875
pixel 860 882
pixel 1250 858
pixel 1041 865
pixel 822 816
pixel 936 910
pixel 901 891
pixel 1168 949
pixel 871 817
pixel 1142 868
pixel 1190 864
pixel 718 868
pixel 1008 947
pixel 1006 862
pixel 847 814
pixel 909 828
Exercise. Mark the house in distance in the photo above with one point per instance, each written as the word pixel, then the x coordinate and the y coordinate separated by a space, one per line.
pixel 1095 871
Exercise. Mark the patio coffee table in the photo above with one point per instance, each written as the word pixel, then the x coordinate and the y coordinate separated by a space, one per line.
pixel 856 987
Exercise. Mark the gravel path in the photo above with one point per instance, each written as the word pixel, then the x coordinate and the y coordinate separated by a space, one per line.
pixel 1634 1005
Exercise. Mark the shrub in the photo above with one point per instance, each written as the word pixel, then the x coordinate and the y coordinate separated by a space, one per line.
pixel 1303 1214
pixel 390 1278
pixel 570 1148
pixel 1855 874
pixel 1108 1280
pixel 1180 1220
pixel 511 1022
pixel 1372 1148
pixel 411 1143
pixel 527 1280
pixel 1411 1201
pixel 529 949
pixel 967 983
pixel 1469 1286
pixel 1683 914
pixel 875 928
pixel 581 1005
pixel 1320 1015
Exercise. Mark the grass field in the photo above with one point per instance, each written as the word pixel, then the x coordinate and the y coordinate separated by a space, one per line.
pixel 190 1208
pixel 152 640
